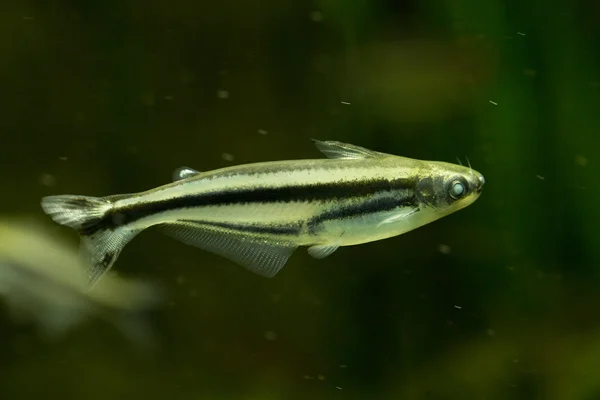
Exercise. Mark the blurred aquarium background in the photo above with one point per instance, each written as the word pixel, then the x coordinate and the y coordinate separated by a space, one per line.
pixel 498 301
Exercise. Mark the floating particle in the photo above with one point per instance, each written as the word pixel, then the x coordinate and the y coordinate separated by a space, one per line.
pixel 227 157
pixel 47 180
pixel 222 94
pixel 444 249
pixel 347 103
pixel 276 298
pixel 491 332
pixel 180 279
pixel 169 98
pixel 186 76
pixel 493 102
pixel 540 177
pixel 581 160
pixel 63 158
pixel 321 377
pixel 458 307
pixel 269 335
pixel 262 132
pixel 147 98
pixel 316 16
pixel 132 149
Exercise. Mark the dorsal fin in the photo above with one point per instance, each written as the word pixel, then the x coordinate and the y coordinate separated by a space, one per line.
pixel 333 149
pixel 183 173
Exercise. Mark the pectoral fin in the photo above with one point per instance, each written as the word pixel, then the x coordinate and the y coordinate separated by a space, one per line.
pixel 322 251
pixel 397 215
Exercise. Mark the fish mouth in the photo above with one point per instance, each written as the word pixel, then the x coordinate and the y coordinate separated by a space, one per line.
pixel 481 182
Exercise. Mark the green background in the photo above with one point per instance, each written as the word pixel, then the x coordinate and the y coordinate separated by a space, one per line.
pixel 128 91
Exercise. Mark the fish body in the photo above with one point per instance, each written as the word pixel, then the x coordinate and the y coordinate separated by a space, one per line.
pixel 43 279
pixel 258 214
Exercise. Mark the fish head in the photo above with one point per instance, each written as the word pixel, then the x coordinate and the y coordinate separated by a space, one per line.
pixel 448 187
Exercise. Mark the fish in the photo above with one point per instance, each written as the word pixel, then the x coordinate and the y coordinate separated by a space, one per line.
pixel 43 280
pixel 257 215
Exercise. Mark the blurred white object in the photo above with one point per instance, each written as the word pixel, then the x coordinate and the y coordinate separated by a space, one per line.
pixel 43 279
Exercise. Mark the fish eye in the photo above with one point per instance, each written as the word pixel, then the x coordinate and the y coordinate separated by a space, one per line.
pixel 457 190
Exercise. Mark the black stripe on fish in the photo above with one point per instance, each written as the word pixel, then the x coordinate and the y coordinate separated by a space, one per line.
pixel 361 208
pixel 292 193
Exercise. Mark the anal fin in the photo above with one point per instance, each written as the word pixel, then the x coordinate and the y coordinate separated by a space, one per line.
pixel 262 256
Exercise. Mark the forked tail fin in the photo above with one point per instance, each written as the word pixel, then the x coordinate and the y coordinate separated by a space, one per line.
pixel 78 212
pixel 101 240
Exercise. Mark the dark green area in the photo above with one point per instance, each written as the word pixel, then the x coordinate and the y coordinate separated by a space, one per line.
pixel 128 91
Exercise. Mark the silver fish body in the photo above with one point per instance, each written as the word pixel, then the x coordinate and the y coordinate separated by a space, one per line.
pixel 258 214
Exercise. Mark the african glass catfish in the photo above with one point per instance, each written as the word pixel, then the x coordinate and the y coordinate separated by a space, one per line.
pixel 256 215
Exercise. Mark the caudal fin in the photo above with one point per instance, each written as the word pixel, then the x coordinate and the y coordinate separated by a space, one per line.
pixel 101 241
pixel 78 212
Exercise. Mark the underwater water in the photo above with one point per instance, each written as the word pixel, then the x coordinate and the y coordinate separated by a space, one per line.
pixel 499 300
